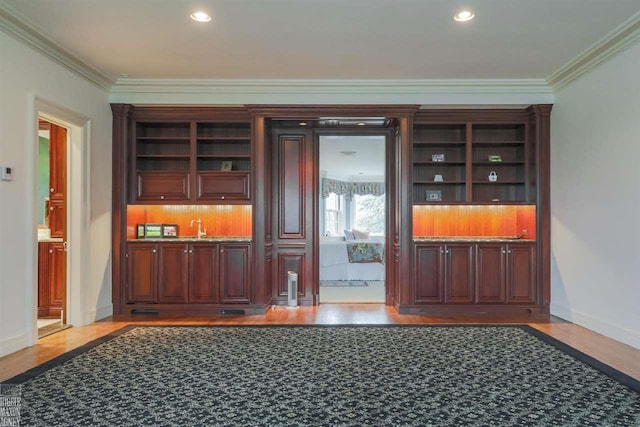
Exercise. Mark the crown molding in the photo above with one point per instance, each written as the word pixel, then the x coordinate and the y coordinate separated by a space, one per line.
pixel 622 37
pixel 342 87
pixel 16 27
pixel 294 91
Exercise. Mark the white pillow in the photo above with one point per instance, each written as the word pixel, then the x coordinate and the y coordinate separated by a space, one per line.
pixel 349 235
pixel 361 234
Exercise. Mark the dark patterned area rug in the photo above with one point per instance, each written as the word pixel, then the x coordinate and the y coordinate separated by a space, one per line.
pixel 328 376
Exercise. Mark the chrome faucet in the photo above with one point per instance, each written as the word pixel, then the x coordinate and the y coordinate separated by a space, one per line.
pixel 201 233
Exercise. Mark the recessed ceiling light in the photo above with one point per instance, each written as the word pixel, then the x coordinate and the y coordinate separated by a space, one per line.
pixel 200 16
pixel 302 123
pixel 361 123
pixel 464 16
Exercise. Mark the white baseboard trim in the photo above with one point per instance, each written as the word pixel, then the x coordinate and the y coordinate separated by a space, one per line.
pixel 13 344
pixel 102 312
pixel 605 328
pixel 92 315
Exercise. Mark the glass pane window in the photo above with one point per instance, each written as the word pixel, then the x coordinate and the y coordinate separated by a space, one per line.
pixel 369 213
pixel 334 214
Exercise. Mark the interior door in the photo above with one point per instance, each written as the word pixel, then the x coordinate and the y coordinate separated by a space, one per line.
pixel 58 208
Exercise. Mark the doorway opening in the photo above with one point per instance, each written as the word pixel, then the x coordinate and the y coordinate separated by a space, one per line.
pixel 352 209
pixel 53 146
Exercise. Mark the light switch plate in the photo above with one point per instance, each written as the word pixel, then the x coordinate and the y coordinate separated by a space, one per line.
pixel 6 173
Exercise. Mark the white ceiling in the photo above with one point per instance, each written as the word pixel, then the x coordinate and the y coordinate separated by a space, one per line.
pixel 324 39
pixel 366 164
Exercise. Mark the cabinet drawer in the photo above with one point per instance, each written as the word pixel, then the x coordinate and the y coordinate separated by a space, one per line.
pixel 223 186
pixel 161 186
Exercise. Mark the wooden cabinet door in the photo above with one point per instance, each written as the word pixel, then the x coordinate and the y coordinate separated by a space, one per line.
pixel 223 186
pixel 58 181
pixel 58 275
pixel 491 273
pixel 429 278
pixel 459 277
pixel 142 276
pixel 162 186
pixel 173 272
pixel 521 273
pixel 204 280
pixel 234 273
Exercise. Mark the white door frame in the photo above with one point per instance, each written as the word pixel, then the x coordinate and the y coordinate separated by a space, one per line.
pixel 78 211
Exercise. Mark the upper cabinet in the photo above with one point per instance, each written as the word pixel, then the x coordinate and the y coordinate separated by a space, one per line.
pixel 474 162
pixel 187 155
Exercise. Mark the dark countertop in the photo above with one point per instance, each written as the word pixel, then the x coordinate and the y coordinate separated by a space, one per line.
pixel 474 239
pixel 188 239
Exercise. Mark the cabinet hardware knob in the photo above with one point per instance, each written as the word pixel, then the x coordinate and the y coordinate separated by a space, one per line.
pixel 51 208
pixel 503 251
pixel 51 190
pixel 185 251
pixel 222 197
pixel 154 251
pixel 221 250
pixel 161 197
pixel 190 251
pixel 441 250
pixel 509 251
pixel 50 251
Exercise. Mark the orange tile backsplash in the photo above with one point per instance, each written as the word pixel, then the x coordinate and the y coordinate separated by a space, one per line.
pixel 219 220
pixel 475 220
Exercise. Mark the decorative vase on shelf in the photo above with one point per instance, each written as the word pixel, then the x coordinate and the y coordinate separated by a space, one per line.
pixel 493 176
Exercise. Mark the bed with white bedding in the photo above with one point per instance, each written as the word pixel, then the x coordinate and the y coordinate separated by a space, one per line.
pixel 335 263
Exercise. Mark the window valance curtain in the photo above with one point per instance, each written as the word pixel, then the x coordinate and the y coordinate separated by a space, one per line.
pixel 348 189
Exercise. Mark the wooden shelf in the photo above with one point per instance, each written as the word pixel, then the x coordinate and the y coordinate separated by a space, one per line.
pixel 440 182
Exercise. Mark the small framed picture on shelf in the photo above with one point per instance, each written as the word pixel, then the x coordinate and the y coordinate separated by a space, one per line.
pixel 140 233
pixel 169 230
pixel 226 166
pixel 153 231
pixel 434 195
pixel 437 157
pixel 495 158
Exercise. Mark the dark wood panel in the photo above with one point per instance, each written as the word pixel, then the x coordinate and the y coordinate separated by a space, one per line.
pixel 234 273
pixel 203 273
pixel 142 280
pixel 58 274
pixel 290 261
pixel 521 274
pixel 44 281
pixel 162 186
pixel 58 181
pixel 459 282
pixel 173 272
pixel 429 278
pixel 490 273
pixel 216 186
pixel 291 187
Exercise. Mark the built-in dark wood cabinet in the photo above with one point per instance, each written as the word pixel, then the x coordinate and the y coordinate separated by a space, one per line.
pixel 266 156
pixel 142 273
pixel 234 273
pixel 204 282
pixel 201 160
pixel 445 273
pixel 188 273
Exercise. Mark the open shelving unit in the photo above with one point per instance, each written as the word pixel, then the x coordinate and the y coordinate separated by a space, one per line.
pixel 465 150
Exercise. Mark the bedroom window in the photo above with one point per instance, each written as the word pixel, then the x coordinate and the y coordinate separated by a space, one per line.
pixel 369 213
pixel 334 214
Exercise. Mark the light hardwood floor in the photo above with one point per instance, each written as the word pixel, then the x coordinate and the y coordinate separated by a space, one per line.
pixel 620 356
